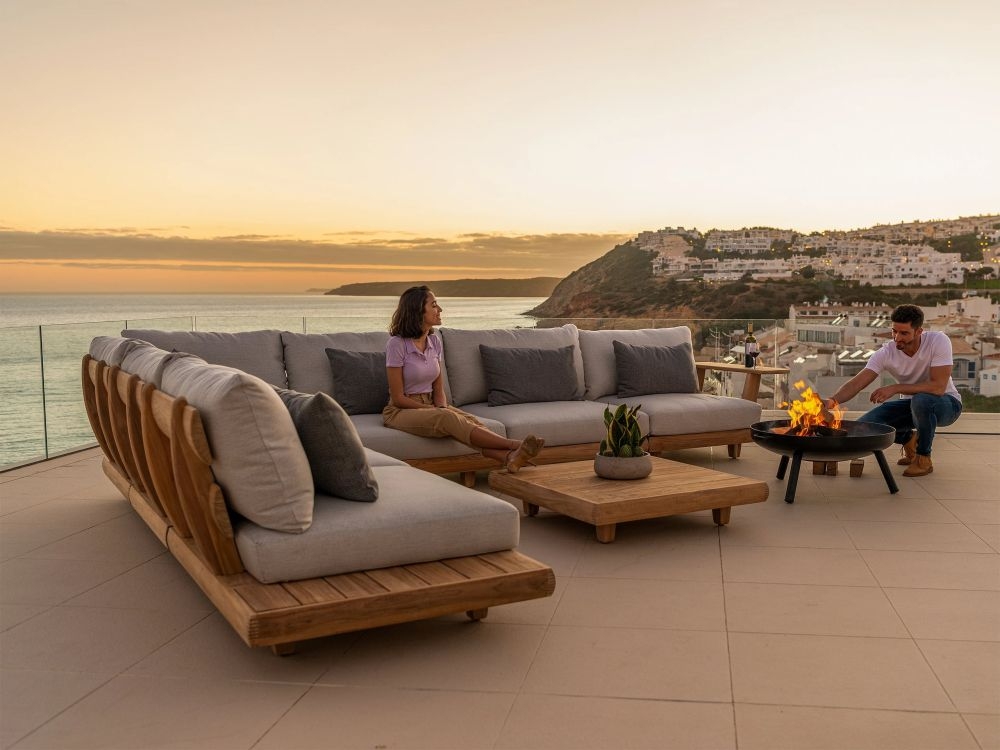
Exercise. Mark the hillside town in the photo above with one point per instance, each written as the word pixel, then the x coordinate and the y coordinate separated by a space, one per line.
pixel 883 255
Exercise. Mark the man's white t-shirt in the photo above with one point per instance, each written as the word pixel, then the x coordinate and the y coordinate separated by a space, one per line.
pixel 934 351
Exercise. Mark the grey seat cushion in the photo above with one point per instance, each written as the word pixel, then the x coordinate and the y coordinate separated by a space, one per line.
pixel 380 459
pixel 559 422
pixel 306 361
pixel 257 457
pixel 256 352
pixel 466 376
pixel 403 445
pixel 419 517
pixel 597 351
pixel 683 413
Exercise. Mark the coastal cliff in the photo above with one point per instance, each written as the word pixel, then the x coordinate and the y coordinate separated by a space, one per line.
pixel 539 286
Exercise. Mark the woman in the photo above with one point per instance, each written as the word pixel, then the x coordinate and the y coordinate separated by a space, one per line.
pixel 416 393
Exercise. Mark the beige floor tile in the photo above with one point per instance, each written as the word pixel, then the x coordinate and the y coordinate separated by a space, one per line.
pixel 833 671
pixel 986 728
pixel 14 614
pixel 892 509
pixel 86 639
pixel 159 584
pixel 211 649
pixel 125 538
pixel 989 533
pixel 557 722
pixel 627 603
pixel 948 615
pixel 935 570
pixel 871 485
pixel 30 581
pixel 632 663
pixel 366 718
pixel 531 612
pixel 666 549
pixel 974 511
pixel 28 698
pixel 140 712
pixel 18 538
pixel 959 488
pixel 442 654
pixel 810 533
pixel 555 540
pixel 799 727
pixel 817 610
pixel 916 537
pixel 969 671
pixel 81 515
pixel 832 567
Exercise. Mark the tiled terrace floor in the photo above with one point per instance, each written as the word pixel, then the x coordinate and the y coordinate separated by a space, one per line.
pixel 851 619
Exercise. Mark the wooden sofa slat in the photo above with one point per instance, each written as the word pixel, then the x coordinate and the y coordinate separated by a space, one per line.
pixel 102 399
pixel 435 573
pixel 354 585
pixel 89 380
pixel 397 579
pixel 511 561
pixel 156 445
pixel 117 409
pixel 261 597
pixel 472 567
pixel 313 591
pixel 133 422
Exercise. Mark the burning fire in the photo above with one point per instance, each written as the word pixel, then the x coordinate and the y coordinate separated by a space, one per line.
pixel 808 414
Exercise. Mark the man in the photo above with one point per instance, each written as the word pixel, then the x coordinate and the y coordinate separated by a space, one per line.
pixel 921 363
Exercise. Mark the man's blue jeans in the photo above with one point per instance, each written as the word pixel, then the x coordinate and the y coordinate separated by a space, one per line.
pixel 922 412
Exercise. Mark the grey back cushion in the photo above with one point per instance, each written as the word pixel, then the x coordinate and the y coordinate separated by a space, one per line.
pixel 466 377
pixel 150 362
pixel 306 361
pixel 337 458
pixel 257 458
pixel 522 376
pixel 654 369
pixel 599 367
pixel 257 352
pixel 359 380
pixel 110 349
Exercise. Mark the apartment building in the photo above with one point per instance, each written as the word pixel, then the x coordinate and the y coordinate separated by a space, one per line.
pixel 748 241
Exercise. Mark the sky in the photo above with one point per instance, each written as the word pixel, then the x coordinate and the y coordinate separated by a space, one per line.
pixel 286 145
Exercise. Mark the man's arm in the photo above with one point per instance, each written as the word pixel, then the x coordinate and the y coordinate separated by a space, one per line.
pixel 852 388
pixel 936 385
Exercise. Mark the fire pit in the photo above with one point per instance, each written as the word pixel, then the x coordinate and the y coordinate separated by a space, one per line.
pixel 814 434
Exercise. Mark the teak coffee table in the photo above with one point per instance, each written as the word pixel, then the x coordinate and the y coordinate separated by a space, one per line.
pixel 574 490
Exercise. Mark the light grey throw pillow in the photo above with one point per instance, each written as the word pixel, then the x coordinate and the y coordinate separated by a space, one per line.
pixel 336 456
pixel 360 384
pixel 655 369
pixel 524 376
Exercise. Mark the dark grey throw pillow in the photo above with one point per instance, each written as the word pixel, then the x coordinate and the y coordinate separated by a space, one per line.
pixel 359 381
pixel 524 376
pixel 654 369
pixel 336 456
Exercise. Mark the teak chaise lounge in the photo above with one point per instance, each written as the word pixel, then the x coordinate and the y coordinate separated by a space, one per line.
pixel 158 456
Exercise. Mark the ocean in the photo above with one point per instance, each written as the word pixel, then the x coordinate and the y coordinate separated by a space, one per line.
pixel 43 338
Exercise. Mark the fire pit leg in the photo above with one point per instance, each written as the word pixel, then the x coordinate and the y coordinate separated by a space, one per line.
pixel 782 465
pixel 884 466
pixel 793 478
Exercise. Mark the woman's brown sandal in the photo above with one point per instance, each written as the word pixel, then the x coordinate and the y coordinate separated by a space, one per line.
pixel 523 454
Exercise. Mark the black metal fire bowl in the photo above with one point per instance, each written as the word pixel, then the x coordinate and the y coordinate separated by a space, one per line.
pixel 861 438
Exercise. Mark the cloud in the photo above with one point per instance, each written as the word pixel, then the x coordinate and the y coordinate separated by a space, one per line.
pixel 531 254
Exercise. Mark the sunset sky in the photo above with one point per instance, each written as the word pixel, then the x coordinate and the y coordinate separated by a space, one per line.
pixel 241 145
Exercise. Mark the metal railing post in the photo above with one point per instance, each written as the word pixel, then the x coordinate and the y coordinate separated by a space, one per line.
pixel 45 416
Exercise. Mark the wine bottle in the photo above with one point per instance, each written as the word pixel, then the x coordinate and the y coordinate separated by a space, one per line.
pixel 751 349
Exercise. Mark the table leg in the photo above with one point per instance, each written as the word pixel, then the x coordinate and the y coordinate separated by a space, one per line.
pixel 530 509
pixel 606 533
pixel 734 450
pixel 793 478
pixel 884 466
pixel 721 515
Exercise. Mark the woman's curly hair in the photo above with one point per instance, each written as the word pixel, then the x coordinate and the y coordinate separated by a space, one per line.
pixel 408 320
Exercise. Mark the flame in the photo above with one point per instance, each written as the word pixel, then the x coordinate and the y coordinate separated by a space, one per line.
pixel 808 412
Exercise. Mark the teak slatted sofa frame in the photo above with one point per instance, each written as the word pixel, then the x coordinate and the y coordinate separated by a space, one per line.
pixel 158 456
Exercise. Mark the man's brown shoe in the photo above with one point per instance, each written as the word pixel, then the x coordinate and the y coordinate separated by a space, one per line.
pixel 909 451
pixel 921 466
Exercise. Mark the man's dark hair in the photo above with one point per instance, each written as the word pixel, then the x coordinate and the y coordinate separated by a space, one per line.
pixel 908 314
pixel 408 320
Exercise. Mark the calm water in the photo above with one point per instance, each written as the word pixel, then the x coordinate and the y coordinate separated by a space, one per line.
pixel 43 337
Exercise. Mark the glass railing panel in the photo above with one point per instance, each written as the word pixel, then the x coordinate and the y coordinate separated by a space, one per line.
pixel 63 347
pixel 179 323
pixel 238 323
pixel 22 405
